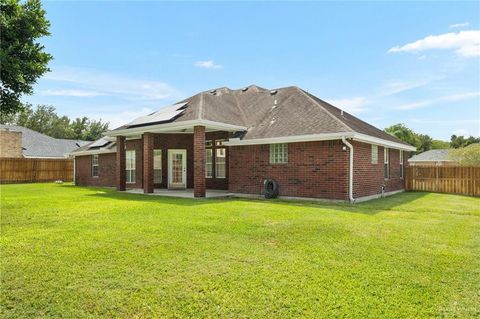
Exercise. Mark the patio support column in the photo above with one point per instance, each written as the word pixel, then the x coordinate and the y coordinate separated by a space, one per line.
pixel 199 161
pixel 120 167
pixel 148 163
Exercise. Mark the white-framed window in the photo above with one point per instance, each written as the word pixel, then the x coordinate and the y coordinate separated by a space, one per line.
pixel 220 163
pixel 130 166
pixel 401 164
pixel 95 165
pixel 157 166
pixel 209 163
pixel 278 153
pixel 219 142
pixel 386 165
pixel 374 154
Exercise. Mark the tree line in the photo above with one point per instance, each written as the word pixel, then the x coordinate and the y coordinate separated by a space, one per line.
pixel 424 142
pixel 44 119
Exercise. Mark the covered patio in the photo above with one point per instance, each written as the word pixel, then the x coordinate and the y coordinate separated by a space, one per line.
pixel 184 164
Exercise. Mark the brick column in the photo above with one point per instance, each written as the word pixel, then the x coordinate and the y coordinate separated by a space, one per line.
pixel 120 167
pixel 148 163
pixel 199 161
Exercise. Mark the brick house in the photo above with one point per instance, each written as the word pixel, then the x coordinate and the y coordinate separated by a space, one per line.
pixel 235 139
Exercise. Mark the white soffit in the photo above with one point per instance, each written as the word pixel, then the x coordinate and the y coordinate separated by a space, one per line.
pixel 164 114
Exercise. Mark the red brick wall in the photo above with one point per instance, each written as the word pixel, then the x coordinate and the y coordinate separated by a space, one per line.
pixel 106 170
pixel 368 178
pixel 314 169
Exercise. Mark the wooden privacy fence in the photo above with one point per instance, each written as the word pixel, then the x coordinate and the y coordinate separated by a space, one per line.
pixel 28 170
pixel 463 180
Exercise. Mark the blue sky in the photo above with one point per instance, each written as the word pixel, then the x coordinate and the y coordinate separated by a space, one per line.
pixel 415 63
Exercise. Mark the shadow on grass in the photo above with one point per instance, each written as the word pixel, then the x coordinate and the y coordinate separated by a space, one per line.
pixel 371 207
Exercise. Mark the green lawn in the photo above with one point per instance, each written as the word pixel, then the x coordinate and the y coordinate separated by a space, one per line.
pixel 90 252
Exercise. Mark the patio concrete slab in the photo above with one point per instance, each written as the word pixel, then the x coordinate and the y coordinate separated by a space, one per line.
pixel 182 193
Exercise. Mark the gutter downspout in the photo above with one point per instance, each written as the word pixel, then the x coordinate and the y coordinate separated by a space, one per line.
pixel 350 173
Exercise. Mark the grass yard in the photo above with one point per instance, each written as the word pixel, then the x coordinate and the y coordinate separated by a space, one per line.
pixel 77 252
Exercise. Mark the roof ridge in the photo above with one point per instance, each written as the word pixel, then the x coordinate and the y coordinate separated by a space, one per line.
pixel 325 109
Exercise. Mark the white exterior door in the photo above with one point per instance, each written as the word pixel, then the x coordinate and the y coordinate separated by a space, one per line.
pixel 177 169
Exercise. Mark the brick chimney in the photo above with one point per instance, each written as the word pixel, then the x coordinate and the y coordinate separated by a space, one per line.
pixel 10 143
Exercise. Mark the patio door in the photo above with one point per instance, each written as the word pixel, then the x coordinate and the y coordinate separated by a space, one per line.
pixel 177 169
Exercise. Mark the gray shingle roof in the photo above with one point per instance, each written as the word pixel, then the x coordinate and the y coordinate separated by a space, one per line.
pixel 431 156
pixel 36 144
pixel 289 111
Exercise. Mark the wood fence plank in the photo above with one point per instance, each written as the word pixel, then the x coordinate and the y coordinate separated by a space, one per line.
pixel 444 179
pixel 28 170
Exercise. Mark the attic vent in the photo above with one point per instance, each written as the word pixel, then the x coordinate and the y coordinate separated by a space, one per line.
pixel 244 89
pixel 213 92
pixel 273 92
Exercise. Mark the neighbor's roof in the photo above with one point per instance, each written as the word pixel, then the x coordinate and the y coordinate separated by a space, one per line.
pixel 35 144
pixel 283 112
pixel 431 156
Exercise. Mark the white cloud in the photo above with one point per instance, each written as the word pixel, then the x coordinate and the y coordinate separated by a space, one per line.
pixel 113 84
pixel 395 87
pixel 116 119
pixel 353 105
pixel 459 25
pixel 209 64
pixel 461 132
pixel 75 93
pixel 446 98
pixel 465 43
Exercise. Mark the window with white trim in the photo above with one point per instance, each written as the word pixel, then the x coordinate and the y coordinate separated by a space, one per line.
pixel 401 164
pixel 130 166
pixel 208 163
pixel 95 165
pixel 220 163
pixel 374 154
pixel 279 153
pixel 219 142
pixel 386 165
pixel 157 166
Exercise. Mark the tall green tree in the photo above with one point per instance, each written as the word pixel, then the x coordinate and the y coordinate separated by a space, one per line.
pixel 461 141
pixel 469 155
pixel 23 59
pixel 44 119
pixel 403 133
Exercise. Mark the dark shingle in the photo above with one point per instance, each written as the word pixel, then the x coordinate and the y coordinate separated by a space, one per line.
pixel 36 144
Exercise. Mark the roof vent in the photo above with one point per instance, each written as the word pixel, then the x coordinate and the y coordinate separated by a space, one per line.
pixel 273 92
pixel 341 112
pixel 244 89
pixel 213 92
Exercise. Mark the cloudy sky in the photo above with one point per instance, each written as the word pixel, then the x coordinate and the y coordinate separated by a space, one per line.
pixel 415 63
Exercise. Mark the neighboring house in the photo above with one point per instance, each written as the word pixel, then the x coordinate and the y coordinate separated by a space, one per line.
pixel 235 139
pixel 432 157
pixel 18 141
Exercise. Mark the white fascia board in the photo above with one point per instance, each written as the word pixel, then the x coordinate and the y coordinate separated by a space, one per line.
pixel 378 141
pixel 91 152
pixel 166 127
pixel 44 157
pixel 289 139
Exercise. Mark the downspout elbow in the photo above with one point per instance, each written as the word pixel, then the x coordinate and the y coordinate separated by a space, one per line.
pixel 350 170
